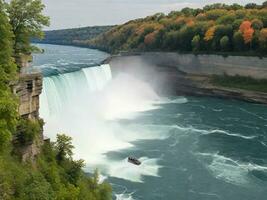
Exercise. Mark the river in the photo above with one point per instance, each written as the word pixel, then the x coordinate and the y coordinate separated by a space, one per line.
pixel 191 148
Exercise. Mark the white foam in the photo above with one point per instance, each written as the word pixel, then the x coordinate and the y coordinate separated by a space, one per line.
pixel 213 131
pixel 124 196
pixel 228 169
pixel 179 100
pixel 128 171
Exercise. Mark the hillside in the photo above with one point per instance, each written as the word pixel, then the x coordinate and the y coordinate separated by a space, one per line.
pixel 69 36
pixel 215 28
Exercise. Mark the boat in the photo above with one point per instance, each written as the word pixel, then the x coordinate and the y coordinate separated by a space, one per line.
pixel 134 161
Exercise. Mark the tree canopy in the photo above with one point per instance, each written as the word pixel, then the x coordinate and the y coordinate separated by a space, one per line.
pixel 27 21
pixel 214 28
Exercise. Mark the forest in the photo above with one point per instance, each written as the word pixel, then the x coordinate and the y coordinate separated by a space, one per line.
pixel 69 36
pixel 216 28
pixel 53 174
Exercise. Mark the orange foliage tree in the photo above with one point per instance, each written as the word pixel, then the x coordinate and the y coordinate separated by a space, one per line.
pixel 247 31
pixel 245 25
pixel 247 35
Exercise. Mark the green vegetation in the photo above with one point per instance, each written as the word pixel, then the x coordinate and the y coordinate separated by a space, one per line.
pixel 73 36
pixel 50 178
pixel 8 103
pixel 241 82
pixel 54 174
pixel 27 131
pixel 27 21
pixel 234 29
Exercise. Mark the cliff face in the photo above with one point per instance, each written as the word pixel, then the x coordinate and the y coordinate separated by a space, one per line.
pixel 28 89
pixel 187 74
pixel 254 67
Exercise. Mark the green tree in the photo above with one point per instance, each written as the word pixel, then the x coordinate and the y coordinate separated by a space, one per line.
pixel 196 43
pixel 64 147
pixel 251 6
pixel 238 41
pixel 27 21
pixel 257 24
pixel 224 43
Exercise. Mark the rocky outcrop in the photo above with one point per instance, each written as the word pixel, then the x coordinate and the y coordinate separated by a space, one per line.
pixel 28 89
pixel 189 74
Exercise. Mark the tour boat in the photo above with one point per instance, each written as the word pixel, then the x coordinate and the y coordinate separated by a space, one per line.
pixel 134 161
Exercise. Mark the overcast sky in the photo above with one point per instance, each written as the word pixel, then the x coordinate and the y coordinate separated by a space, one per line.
pixel 79 13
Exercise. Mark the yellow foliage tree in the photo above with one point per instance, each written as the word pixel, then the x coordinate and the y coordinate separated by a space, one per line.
pixel 209 34
pixel 263 35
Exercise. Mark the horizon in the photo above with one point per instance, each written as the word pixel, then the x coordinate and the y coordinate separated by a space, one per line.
pixel 113 12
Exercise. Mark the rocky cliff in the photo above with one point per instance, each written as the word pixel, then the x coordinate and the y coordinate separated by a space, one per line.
pixel 188 74
pixel 28 89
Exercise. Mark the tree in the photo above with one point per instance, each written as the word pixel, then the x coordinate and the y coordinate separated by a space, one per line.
pixel 226 19
pixel 196 43
pixel 27 21
pixel 256 24
pixel 238 41
pixel 224 43
pixel 247 31
pixel 216 13
pixel 150 38
pixel 64 147
pixel 8 104
pixel 248 35
pixel 209 34
pixel 263 39
pixel 245 25
pixel 251 6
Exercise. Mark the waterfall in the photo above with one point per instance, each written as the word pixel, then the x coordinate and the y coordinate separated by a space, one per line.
pixel 61 91
pixel 87 104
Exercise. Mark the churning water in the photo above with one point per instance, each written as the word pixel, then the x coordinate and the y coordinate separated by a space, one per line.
pixel 190 148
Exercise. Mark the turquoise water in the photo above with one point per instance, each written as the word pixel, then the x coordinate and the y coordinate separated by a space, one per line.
pixel 191 148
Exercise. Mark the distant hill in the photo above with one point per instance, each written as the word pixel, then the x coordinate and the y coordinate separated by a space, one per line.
pixel 217 28
pixel 71 36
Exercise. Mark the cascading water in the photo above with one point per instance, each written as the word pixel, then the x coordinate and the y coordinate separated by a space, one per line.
pixel 86 105
pixel 60 91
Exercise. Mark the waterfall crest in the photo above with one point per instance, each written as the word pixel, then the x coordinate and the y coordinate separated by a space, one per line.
pixel 63 90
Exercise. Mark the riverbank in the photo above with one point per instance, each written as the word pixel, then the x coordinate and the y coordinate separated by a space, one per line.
pixel 189 74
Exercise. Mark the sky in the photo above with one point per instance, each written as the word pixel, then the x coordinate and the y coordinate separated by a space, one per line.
pixel 80 13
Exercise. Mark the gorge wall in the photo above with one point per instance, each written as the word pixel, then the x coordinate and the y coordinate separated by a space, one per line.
pixel 254 67
pixel 189 74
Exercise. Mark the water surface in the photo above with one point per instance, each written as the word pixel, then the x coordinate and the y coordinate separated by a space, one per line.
pixel 191 148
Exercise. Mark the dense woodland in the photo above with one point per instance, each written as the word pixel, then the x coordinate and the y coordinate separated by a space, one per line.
pixel 215 28
pixel 69 36
pixel 54 174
